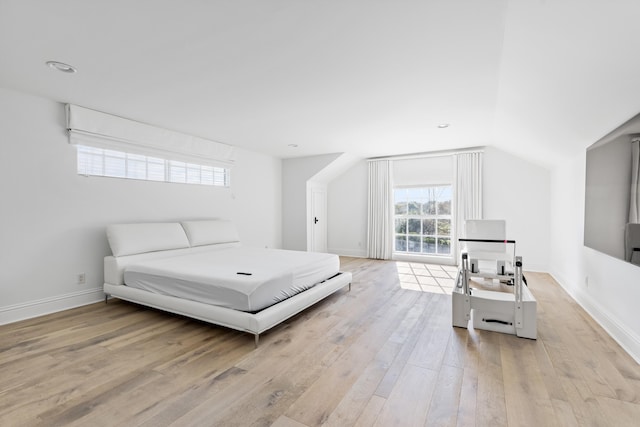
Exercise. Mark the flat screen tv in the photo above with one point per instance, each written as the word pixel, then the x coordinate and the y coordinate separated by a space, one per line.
pixel 609 223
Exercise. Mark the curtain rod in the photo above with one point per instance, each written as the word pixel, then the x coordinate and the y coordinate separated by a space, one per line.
pixel 442 153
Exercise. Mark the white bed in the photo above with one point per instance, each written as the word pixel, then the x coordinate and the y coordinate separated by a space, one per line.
pixel 199 269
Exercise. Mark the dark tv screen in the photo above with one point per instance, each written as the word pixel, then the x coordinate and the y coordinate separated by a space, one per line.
pixel 607 225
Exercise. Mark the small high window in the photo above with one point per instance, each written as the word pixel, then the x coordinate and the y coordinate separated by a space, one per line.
pixel 118 164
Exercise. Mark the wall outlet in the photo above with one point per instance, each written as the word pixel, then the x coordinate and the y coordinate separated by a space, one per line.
pixel 586 281
pixel 82 278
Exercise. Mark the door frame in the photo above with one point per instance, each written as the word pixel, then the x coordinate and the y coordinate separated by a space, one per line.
pixel 316 188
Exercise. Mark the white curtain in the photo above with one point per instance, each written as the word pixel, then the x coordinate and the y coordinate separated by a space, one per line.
pixel 468 189
pixel 380 210
pixel 634 205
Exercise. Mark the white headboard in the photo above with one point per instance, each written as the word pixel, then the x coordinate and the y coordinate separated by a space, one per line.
pixel 132 243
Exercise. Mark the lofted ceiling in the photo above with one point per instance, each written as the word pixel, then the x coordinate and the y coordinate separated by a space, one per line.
pixel 538 78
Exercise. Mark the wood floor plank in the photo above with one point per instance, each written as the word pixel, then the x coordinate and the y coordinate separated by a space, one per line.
pixel 585 406
pixel 466 411
pixel 526 396
pixel 408 403
pixel 432 344
pixel 371 412
pixel 443 410
pixel 564 414
pixel 491 406
pixel 284 421
pixel 358 396
pixel 393 373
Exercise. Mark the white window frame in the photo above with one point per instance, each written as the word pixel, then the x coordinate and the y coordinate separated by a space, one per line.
pixel 94 161
pixel 424 256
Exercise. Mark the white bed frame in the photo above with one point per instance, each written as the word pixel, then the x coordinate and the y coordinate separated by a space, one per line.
pixel 254 323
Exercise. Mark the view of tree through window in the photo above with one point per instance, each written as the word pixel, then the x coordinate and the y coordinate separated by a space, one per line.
pixel 423 220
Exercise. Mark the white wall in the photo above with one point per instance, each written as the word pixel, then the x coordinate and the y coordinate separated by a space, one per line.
pixel 608 288
pixel 518 191
pixel 53 220
pixel 514 190
pixel 347 212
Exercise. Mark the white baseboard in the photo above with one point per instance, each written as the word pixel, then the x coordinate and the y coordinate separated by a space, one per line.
pixel 31 309
pixel 534 268
pixel 356 253
pixel 627 339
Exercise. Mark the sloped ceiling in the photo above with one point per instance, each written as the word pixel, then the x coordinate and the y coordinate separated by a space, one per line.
pixel 538 78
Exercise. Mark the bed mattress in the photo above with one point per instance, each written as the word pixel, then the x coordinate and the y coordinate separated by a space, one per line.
pixel 240 278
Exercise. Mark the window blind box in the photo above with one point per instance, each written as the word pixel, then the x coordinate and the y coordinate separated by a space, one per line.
pixel 100 130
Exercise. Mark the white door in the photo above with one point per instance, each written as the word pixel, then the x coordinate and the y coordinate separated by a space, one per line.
pixel 318 219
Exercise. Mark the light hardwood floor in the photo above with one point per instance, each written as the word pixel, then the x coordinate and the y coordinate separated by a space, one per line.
pixel 380 355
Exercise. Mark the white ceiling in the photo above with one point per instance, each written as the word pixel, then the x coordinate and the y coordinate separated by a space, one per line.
pixel 538 78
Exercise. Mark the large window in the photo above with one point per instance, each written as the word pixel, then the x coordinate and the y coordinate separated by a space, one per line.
pixel 118 164
pixel 423 220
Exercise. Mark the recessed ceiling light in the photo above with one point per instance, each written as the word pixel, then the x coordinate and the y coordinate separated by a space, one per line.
pixel 443 125
pixel 293 145
pixel 61 66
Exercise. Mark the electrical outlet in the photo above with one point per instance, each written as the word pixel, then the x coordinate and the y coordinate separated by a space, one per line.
pixel 586 281
pixel 82 278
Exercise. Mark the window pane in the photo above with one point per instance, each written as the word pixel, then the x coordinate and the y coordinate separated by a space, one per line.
pixel 177 171
pixel 428 226
pixel 91 150
pixel 206 175
pixel 138 157
pixel 429 245
pixel 136 169
pixel 444 208
pixel 220 177
pixel 193 174
pixel 401 243
pixel 90 164
pixel 114 166
pixel 414 193
pixel 444 246
pixel 155 169
pixel 117 154
pixel 401 226
pixel 429 208
pixel 414 244
pixel 444 227
pixel 401 208
pixel 414 226
pixel 414 207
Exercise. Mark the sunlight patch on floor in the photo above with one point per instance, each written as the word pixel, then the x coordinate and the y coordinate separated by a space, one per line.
pixel 434 278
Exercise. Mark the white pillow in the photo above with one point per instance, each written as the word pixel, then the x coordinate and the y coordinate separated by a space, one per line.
pixel 129 239
pixel 210 232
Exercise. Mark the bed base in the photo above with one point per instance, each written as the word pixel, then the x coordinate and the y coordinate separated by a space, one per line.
pixel 254 323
